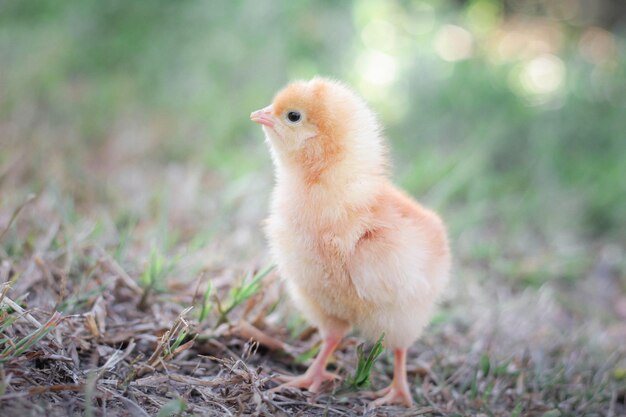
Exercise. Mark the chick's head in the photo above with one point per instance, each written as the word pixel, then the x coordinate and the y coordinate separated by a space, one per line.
pixel 316 123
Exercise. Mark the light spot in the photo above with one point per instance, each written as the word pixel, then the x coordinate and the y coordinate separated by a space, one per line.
pixel 598 46
pixel 521 40
pixel 377 68
pixel 453 43
pixel 544 74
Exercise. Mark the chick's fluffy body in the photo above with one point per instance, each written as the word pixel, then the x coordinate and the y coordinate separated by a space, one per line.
pixel 353 249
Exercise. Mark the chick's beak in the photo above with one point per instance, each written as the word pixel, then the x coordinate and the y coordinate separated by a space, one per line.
pixel 263 116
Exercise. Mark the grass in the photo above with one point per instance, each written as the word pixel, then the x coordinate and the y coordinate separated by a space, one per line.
pixel 15 348
pixel 361 378
pixel 206 304
pixel 105 352
pixel 133 269
pixel 241 293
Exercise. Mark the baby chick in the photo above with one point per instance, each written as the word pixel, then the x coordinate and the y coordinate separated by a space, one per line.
pixel 354 250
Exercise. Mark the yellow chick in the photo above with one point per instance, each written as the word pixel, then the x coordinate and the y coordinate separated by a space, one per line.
pixel 355 251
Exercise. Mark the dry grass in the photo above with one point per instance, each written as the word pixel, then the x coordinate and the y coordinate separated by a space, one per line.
pixel 83 334
pixel 141 289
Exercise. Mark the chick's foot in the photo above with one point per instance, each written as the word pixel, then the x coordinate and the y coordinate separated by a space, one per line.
pixel 398 392
pixel 316 375
pixel 394 395
pixel 311 380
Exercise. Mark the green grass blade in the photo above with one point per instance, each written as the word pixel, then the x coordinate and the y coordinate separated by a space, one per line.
pixel 361 378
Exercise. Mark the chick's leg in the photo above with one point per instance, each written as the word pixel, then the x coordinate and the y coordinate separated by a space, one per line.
pixel 316 375
pixel 398 392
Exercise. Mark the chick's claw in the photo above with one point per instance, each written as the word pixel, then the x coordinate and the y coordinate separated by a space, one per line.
pixel 311 381
pixel 394 395
pixel 377 394
pixel 398 391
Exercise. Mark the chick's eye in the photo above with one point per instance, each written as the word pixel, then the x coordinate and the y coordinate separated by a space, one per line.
pixel 293 116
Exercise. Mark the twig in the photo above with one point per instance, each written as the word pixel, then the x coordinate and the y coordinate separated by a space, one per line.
pixel 115 358
pixel 56 388
pixel 132 407
pixel 4 289
pixel 223 407
pixel 247 331
pixel 164 344
pixel 6 300
pixel 115 268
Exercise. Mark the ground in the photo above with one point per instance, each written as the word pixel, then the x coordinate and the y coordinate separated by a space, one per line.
pixel 134 274
pixel 141 332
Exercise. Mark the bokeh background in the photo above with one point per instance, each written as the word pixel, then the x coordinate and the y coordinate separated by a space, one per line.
pixel 510 113
pixel 129 122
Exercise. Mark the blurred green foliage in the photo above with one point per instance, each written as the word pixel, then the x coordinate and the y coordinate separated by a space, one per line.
pixel 511 137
